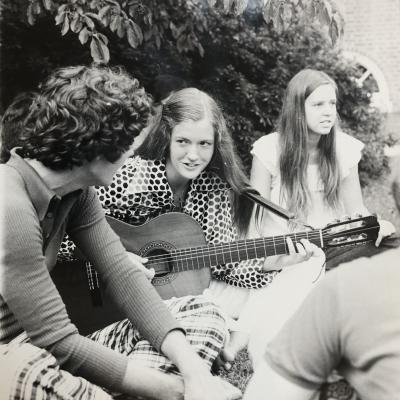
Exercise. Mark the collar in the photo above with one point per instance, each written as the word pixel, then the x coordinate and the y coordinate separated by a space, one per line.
pixel 150 175
pixel 40 194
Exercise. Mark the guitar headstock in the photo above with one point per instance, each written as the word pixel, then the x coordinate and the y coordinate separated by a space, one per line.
pixel 351 231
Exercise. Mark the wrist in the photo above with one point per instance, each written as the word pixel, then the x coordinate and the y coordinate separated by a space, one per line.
pixel 183 355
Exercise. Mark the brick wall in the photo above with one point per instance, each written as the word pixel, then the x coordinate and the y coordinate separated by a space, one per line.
pixel 372 29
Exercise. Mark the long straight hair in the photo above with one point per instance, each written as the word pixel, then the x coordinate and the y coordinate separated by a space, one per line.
pixel 294 155
pixel 191 104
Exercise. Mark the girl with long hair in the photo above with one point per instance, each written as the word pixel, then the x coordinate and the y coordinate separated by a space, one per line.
pixel 310 167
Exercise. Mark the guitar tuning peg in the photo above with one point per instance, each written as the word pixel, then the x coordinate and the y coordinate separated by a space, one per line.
pixel 333 222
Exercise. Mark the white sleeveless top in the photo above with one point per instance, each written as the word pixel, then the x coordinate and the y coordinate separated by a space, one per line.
pixel 267 150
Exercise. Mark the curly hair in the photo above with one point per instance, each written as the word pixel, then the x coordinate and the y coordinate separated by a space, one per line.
pixel 12 123
pixel 82 113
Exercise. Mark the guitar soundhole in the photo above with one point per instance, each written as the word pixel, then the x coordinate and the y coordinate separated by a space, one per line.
pixel 161 261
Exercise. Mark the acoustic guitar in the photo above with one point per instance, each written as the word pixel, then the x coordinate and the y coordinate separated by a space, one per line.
pixel 176 248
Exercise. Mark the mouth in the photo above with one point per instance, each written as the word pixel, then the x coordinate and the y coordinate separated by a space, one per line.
pixel 191 165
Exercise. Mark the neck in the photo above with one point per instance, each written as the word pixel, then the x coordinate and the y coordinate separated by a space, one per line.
pixel 61 182
pixel 178 183
pixel 312 146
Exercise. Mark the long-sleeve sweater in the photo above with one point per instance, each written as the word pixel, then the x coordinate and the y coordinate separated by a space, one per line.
pixel 34 221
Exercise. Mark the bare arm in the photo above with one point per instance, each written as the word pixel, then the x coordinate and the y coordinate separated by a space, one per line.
pixel 351 196
pixel 261 179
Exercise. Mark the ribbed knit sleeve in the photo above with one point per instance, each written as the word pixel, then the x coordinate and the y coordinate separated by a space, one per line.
pixel 30 300
pixel 127 284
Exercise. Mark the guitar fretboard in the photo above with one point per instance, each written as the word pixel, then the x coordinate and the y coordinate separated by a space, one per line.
pixel 192 258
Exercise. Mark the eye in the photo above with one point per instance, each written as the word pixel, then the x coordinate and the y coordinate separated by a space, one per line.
pixel 205 143
pixel 181 140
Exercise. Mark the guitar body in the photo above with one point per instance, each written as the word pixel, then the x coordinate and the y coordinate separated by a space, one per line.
pixel 157 239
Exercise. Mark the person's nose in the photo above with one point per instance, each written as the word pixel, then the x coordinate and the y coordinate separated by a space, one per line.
pixel 329 109
pixel 193 153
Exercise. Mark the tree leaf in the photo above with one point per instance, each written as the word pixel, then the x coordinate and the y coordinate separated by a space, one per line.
pixel 133 39
pixel 268 10
pixel 158 41
pixel 76 24
pixel 84 35
pixel 103 38
pixel 30 16
pixel 36 7
pixel 47 4
pixel 89 22
pixel 325 13
pixel 104 15
pixel 137 30
pixel 115 20
pixel 334 31
pixel 121 29
pixel 240 6
pixel 228 5
pixel 60 17
pixel 99 51
pixel 65 26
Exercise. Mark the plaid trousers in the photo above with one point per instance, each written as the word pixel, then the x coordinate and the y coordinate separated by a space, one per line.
pixel 28 372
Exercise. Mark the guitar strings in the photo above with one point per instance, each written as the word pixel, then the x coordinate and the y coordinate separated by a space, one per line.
pixel 234 246
pixel 243 245
pixel 181 255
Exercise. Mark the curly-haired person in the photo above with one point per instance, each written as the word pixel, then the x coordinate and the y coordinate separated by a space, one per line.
pixel 78 131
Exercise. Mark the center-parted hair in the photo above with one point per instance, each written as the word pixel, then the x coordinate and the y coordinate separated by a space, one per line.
pixel 191 104
pixel 294 155
pixel 82 113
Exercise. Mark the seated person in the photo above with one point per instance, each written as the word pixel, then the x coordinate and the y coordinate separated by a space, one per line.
pixel 350 322
pixel 77 132
pixel 188 163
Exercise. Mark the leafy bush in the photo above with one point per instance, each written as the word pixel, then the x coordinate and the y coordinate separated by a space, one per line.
pixel 246 66
pixel 253 67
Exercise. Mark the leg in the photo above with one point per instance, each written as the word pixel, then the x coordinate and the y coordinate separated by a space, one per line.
pixel 205 329
pixel 28 372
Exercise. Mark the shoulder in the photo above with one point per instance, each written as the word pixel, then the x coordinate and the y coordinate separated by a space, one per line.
pixel 348 152
pixel 266 141
pixel 17 210
pixel 14 193
pixel 267 151
pixel 352 282
pixel 345 141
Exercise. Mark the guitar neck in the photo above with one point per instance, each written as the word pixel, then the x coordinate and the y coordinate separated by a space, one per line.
pixel 207 256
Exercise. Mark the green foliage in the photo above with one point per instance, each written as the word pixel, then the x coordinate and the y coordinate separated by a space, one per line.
pixel 245 63
pixel 253 67
pixel 181 20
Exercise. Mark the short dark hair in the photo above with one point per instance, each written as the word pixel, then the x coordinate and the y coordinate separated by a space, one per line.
pixel 84 112
pixel 12 123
